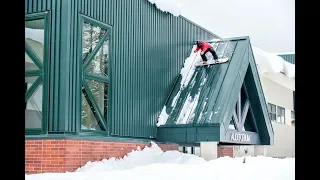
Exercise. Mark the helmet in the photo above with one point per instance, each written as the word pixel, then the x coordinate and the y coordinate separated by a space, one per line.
pixel 199 43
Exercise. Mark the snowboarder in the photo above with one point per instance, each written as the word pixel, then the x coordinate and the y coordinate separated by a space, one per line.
pixel 205 47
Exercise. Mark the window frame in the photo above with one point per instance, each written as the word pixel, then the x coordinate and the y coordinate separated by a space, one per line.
pixel 272 113
pixel 284 114
pixel 42 73
pixel 90 76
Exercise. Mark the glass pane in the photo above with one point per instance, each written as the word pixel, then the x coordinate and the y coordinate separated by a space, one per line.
pixel 34 36
pixel 90 38
pixel 29 64
pixel 99 63
pixel 99 91
pixel 88 120
pixel 33 108
pixel 30 80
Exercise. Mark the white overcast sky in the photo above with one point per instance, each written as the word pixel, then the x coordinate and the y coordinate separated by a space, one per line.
pixel 270 24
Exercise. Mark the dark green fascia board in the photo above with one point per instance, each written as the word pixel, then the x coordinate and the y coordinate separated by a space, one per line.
pixel 33 88
pixel 93 136
pixel 189 125
pixel 95 77
pixel 32 73
pixel 33 131
pixel 261 93
pixel 95 106
pixel 34 57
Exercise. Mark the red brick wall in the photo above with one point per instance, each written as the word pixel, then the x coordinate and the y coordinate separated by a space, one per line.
pixel 67 155
pixel 225 151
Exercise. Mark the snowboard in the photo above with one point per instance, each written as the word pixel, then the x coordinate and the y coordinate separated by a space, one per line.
pixel 212 62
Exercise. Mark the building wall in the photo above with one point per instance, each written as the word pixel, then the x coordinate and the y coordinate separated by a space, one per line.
pixel 147 50
pixel 284 141
pixel 61 155
pixel 278 90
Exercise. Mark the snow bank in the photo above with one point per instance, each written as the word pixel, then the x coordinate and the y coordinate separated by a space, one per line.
pixel 35 34
pixel 152 163
pixel 172 6
pixel 272 63
pixel 147 156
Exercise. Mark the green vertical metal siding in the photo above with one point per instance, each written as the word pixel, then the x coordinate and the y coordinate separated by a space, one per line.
pixel 147 50
pixel 61 114
pixel 289 58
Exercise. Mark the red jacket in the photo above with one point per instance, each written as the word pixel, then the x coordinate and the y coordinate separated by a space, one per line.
pixel 204 46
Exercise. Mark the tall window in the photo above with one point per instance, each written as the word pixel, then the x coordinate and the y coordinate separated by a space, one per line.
pixel 95 55
pixel 281 115
pixel 272 111
pixel 36 58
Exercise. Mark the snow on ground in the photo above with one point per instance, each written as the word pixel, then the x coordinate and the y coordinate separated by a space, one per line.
pixel 154 164
pixel 171 6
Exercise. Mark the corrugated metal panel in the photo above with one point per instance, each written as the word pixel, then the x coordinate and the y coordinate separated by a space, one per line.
pixel 288 57
pixel 148 49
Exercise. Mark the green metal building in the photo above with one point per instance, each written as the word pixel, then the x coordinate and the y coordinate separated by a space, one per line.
pixel 105 68
pixel 289 57
pixel 102 67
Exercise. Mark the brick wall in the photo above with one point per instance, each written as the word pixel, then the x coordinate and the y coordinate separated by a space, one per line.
pixel 67 155
pixel 225 151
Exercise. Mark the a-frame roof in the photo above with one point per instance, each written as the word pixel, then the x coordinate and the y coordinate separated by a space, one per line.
pixel 202 107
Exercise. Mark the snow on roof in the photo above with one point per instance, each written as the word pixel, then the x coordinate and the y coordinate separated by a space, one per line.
pixel 272 63
pixel 172 6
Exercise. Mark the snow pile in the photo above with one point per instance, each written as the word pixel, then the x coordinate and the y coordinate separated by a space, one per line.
pixel 152 163
pixel 147 156
pixel 172 6
pixel 35 34
pixel 269 62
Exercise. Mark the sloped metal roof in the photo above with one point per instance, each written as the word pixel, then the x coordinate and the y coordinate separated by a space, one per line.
pixel 210 96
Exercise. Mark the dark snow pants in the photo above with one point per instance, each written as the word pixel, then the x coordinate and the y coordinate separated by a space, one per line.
pixel 211 50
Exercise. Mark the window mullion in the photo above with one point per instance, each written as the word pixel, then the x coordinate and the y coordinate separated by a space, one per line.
pixel 33 87
pixel 34 57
